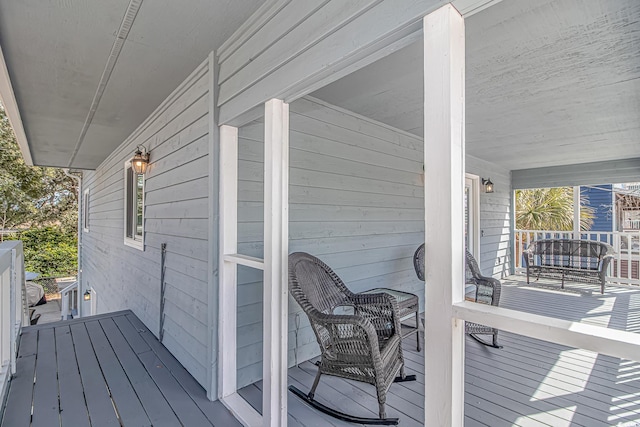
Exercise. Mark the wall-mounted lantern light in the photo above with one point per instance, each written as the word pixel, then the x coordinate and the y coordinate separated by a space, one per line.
pixel 87 295
pixel 488 185
pixel 140 160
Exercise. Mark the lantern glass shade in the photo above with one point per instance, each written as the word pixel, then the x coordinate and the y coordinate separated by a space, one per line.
pixel 139 162
pixel 86 296
pixel 488 185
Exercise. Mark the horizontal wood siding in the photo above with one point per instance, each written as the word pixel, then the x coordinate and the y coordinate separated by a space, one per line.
pixel 606 172
pixel 355 202
pixel 290 47
pixel 495 218
pixel 176 213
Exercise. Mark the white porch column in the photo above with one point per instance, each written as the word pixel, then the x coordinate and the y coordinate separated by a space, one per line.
pixel 444 215
pixel 276 250
pixel 227 271
pixel 576 212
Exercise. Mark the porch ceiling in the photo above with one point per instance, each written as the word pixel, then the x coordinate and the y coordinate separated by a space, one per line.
pixel 59 55
pixel 548 83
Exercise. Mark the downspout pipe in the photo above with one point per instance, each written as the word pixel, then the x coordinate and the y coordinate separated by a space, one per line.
pixel 78 181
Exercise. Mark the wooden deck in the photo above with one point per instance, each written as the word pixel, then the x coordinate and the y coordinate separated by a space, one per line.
pixel 106 370
pixel 527 383
pixel 109 370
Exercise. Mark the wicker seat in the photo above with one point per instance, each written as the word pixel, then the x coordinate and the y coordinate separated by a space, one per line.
pixel 363 346
pixel 487 291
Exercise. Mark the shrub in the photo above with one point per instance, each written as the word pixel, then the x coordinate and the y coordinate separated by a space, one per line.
pixel 50 251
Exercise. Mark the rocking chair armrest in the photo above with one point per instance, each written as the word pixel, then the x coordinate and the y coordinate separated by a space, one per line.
pixel 331 321
pixel 607 259
pixel 381 309
pixel 494 284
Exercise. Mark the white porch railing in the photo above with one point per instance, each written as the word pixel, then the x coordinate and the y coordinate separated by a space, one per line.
pixel 631 224
pixel 625 266
pixel 13 308
pixel 69 301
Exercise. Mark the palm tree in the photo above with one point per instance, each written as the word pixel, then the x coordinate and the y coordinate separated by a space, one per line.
pixel 550 209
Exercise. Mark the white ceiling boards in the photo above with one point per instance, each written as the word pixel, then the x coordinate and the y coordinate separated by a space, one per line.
pixel 547 83
pixel 58 55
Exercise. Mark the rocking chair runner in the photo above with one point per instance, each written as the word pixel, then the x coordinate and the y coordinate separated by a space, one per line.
pixel 487 291
pixel 364 346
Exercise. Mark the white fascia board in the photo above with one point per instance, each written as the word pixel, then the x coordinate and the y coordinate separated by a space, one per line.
pixel 8 99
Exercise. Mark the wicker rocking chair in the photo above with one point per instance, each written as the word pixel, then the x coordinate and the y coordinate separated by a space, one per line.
pixel 487 291
pixel 364 346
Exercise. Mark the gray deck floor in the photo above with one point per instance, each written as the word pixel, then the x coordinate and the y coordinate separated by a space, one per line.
pixel 106 370
pixel 527 383
pixel 110 370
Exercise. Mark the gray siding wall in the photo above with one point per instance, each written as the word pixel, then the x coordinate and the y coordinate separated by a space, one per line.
pixel 176 213
pixel 495 218
pixel 595 173
pixel 356 202
pixel 287 47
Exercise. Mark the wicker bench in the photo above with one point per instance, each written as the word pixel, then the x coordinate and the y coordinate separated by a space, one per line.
pixel 567 259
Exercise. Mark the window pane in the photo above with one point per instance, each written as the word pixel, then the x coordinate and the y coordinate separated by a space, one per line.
pixel 467 231
pixel 86 210
pixel 130 203
pixel 139 194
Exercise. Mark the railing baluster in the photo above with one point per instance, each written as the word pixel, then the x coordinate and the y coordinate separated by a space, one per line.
pixel 12 309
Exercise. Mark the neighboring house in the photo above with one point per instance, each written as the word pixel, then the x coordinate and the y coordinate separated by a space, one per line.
pixel 627 207
pixel 600 199
pixel 616 207
pixel 199 85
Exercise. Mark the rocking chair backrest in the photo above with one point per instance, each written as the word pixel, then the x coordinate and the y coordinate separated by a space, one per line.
pixel 472 271
pixel 418 262
pixel 314 285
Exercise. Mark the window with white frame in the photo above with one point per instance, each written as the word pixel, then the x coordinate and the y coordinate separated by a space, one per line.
pixel 133 207
pixel 85 211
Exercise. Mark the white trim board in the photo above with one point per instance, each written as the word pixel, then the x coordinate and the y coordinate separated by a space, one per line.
pixel 612 342
pixel 8 98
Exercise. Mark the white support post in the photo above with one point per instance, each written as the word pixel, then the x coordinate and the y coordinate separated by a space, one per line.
pixel 276 249
pixel 444 214
pixel 576 212
pixel 228 233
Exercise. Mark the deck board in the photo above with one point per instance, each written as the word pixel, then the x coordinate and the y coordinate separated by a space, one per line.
pixel 215 412
pixel 21 394
pixel 106 370
pixel 125 400
pixel 73 409
pixel 101 412
pixel 46 373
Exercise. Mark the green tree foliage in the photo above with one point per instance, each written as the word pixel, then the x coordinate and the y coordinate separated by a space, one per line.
pixel 50 251
pixel 550 209
pixel 42 203
pixel 32 196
